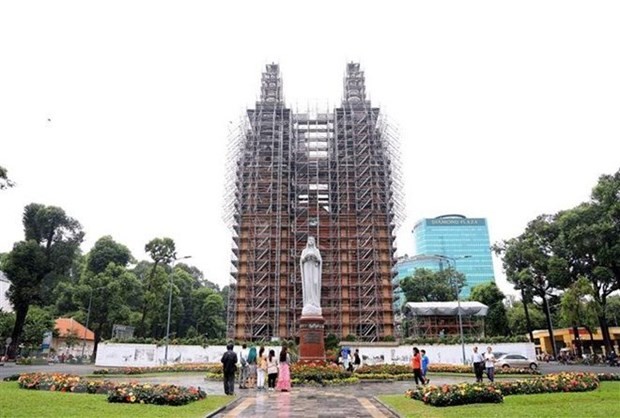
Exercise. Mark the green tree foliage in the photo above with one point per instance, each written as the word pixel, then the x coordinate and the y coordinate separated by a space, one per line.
pixel 576 310
pixel 112 295
pixel 33 266
pixel 107 251
pixel 5 182
pixel 496 322
pixel 612 311
pixel 432 286
pixel 38 322
pixel 208 312
pixel 162 251
pixel 590 240
pixel 517 322
pixel 530 262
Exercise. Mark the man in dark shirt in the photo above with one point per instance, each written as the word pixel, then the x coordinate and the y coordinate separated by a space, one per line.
pixel 229 365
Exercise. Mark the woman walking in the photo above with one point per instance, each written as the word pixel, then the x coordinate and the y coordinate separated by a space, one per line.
pixel 272 370
pixel 416 364
pixel 261 370
pixel 252 368
pixel 284 373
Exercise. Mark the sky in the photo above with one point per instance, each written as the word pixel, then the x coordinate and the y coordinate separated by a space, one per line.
pixel 119 111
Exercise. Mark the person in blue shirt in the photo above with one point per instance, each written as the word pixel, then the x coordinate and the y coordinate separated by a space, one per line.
pixel 425 362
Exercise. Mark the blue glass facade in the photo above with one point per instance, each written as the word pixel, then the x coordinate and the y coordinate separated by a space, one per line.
pixel 464 239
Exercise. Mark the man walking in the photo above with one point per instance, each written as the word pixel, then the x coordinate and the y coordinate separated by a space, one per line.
pixel 478 360
pixel 425 362
pixel 229 366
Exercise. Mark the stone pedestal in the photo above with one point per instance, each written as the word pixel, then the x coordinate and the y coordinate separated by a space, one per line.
pixel 311 338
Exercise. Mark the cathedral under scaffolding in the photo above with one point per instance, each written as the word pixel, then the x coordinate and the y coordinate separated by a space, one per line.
pixel 331 175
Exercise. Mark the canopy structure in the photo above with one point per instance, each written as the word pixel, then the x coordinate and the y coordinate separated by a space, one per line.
pixel 441 319
pixel 445 308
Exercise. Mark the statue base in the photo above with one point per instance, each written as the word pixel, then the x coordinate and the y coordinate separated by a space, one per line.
pixel 311 339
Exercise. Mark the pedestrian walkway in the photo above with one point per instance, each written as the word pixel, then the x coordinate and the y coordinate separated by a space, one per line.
pixel 306 403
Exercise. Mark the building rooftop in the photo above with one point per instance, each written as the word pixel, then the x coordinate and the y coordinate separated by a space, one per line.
pixel 65 326
pixel 445 308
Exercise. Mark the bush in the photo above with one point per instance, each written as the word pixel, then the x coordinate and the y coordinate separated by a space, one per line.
pixel 318 372
pixel 155 394
pixel 608 377
pixel 452 395
pixel 402 369
pixel 559 382
pixel 183 367
pixel 455 339
pixel 63 383
pixel 467 393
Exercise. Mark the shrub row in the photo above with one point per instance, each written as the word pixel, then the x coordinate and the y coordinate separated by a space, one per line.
pixel 183 367
pixel 123 392
pixel 155 394
pixel 468 393
pixel 400 369
pixel 451 340
pixel 62 382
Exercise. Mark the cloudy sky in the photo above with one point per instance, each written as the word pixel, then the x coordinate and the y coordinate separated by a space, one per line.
pixel 118 111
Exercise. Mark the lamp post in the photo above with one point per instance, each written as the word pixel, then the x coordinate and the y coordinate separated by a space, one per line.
pixel 458 297
pixel 174 259
pixel 90 302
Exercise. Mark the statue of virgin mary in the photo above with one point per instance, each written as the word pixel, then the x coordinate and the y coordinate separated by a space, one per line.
pixel 311 268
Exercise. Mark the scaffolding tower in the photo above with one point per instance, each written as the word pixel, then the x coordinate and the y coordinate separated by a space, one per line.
pixel 331 175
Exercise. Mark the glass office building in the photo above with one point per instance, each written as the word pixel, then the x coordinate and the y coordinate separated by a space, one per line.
pixel 461 240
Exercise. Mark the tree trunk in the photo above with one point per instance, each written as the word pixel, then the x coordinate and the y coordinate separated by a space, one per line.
pixel 605 332
pixel 577 341
pixel 97 339
pixel 550 326
pixel 528 322
pixel 20 320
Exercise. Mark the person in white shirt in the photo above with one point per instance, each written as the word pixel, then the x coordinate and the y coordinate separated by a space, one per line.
pixel 489 363
pixel 245 367
pixel 478 361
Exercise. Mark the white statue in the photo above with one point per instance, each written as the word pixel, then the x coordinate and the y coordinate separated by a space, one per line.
pixel 311 268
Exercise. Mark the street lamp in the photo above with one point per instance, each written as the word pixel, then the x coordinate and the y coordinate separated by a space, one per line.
pixel 174 259
pixel 90 302
pixel 458 297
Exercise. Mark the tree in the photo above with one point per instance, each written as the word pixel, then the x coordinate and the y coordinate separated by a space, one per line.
pixel 496 322
pixel 590 241
pixel 106 251
pixel 531 264
pixel 432 286
pixel 111 294
pixel 208 312
pixel 5 182
pixel 612 311
pixel 162 251
pixel 38 322
pixel 51 241
pixel 577 311
pixel 516 319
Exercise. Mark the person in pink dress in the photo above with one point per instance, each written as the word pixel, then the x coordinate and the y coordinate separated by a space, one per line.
pixel 284 372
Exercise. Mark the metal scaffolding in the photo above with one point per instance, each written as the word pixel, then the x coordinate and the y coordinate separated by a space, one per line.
pixel 331 175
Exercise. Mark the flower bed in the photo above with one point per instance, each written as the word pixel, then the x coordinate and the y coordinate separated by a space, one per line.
pixel 63 383
pixel 452 395
pixel 319 373
pixel 560 382
pixel 402 369
pixel 183 367
pixel 155 394
pixel 331 382
pixel 467 393
pixel 124 392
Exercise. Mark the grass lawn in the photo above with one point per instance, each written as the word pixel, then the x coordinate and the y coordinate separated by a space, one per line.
pixel 604 402
pixel 16 402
